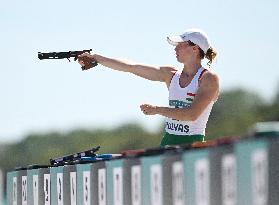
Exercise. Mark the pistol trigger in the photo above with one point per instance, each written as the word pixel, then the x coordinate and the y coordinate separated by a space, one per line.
pixel 68 59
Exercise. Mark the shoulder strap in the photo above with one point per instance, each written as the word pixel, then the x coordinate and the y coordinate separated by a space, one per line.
pixel 204 70
pixel 200 77
pixel 174 73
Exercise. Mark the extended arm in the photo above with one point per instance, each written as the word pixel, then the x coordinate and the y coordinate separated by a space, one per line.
pixel 208 91
pixel 162 74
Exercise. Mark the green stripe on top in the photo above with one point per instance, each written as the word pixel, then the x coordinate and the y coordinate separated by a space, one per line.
pixel 189 99
pixel 178 103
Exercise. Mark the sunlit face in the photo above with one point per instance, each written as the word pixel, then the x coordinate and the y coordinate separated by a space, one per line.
pixel 184 51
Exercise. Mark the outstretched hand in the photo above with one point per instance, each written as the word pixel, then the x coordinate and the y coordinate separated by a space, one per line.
pixel 85 60
pixel 149 109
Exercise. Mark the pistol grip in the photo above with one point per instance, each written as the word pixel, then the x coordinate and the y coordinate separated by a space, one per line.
pixel 93 63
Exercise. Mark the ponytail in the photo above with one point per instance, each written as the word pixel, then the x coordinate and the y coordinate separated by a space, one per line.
pixel 210 55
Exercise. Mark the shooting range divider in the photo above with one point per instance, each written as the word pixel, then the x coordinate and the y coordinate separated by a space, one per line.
pixel 1 186
pixel 228 171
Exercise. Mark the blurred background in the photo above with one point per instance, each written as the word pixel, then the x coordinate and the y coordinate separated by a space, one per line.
pixel 51 108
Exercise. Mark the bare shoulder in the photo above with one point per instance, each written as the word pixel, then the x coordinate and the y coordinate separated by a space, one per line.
pixel 210 76
pixel 209 83
pixel 168 71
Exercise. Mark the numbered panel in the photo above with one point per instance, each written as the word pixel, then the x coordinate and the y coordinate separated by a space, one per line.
pixel 32 187
pixel 132 181
pixel 202 181
pixel 46 189
pixel 114 173
pixel 14 190
pixel 24 190
pixel 35 188
pixel 56 185
pixel 151 174
pixel 59 189
pixel 228 179
pixel 84 184
pixel 102 195
pixel 197 177
pixel 177 183
pixel 118 186
pixel 136 185
pixel 86 187
pixel 252 172
pixel 73 188
pixel 259 173
pixel 156 184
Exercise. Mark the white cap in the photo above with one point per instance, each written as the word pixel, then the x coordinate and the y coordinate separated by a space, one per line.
pixel 196 36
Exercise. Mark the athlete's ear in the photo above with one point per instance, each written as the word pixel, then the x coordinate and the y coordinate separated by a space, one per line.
pixel 195 47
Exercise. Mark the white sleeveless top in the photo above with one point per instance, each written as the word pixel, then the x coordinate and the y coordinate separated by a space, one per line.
pixel 183 97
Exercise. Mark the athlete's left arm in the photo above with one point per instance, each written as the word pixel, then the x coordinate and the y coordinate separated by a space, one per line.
pixel 208 91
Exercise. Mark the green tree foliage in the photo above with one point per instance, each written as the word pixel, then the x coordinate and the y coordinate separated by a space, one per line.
pixel 270 112
pixel 234 112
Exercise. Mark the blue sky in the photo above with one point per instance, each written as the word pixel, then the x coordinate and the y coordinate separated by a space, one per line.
pixel 55 95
